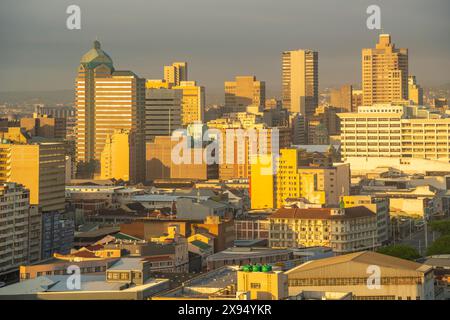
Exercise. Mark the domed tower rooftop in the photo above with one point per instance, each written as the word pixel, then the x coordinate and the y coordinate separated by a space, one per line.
pixel 96 56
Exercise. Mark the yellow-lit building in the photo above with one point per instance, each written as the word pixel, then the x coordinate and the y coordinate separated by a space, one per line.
pixel 243 92
pixel 415 92
pixel 176 73
pixel 193 102
pixel 342 229
pixel 394 132
pixel 108 100
pixel 300 81
pixel 293 180
pixel 157 84
pixel 115 157
pixel 240 128
pixel 384 73
pixel 39 166
pixel 270 285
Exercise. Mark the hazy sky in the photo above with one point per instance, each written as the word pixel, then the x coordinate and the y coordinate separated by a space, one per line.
pixel 218 38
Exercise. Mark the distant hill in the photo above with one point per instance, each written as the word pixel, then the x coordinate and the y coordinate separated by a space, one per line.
pixel 50 97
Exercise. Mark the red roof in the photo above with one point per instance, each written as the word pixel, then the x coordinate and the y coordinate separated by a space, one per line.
pixel 158 258
pixel 321 213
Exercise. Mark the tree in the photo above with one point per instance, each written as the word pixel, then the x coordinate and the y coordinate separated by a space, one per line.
pixel 440 246
pixel 441 226
pixel 400 251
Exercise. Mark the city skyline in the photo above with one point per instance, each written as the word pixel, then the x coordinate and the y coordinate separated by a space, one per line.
pixel 251 45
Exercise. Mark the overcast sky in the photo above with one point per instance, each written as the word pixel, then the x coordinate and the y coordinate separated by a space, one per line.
pixel 218 38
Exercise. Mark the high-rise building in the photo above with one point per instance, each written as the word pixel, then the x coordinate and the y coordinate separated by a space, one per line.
pixel 243 92
pixel 44 126
pixel 160 165
pixel 415 92
pixel 342 97
pixel 18 228
pixel 384 73
pixel 176 73
pixel 107 100
pixel 117 156
pixel 296 178
pixel 300 81
pixel 242 138
pixel 162 112
pixel 193 102
pixel 39 166
pixel 394 132
pixel 357 99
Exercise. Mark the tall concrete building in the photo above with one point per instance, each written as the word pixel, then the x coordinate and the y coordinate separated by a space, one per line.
pixel 107 100
pixel 415 92
pixel 44 126
pixel 384 73
pixel 296 177
pixel 38 165
pixel 193 102
pixel 176 73
pixel 160 165
pixel 342 97
pixel 300 81
pixel 116 159
pixel 387 131
pixel 162 112
pixel 243 92
pixel 20 244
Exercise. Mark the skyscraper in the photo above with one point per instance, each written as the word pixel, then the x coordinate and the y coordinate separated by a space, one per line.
pixel 384 73
pixel 243 92
pixel 162 112
pixel 176 73
pixel 415 92
pixel 193 102
pixel 342 97
pixel 108 100
pixel 38 165
pixel 300 81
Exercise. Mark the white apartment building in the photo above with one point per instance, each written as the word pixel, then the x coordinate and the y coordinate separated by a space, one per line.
pixel 387 131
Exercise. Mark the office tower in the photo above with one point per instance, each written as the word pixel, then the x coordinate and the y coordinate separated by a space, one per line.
pixel 245 136
pixel 117 156
pixel 176 73
pixel 384 73
pixel 342 97
pixel 298 129
pixel 300 81
pixel 162 112
pixel 160 165
pixel 107 100
pixel 18 226
pixel 357 99
pixel 193 102
pixel 394 132
pixel 273 104
pixel 44 126
pixel 299 176
pixel 243 92
pixel 157 84
pixel 39 166
pixel 415 92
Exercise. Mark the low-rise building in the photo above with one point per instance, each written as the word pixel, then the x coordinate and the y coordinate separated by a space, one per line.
pixel 125 279
pixel 368 275
pixel 343 230
pixel 247 255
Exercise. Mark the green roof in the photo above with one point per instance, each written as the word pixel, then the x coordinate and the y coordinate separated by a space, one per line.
pixel 96 56
pixel 201 245
pixel 124 236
